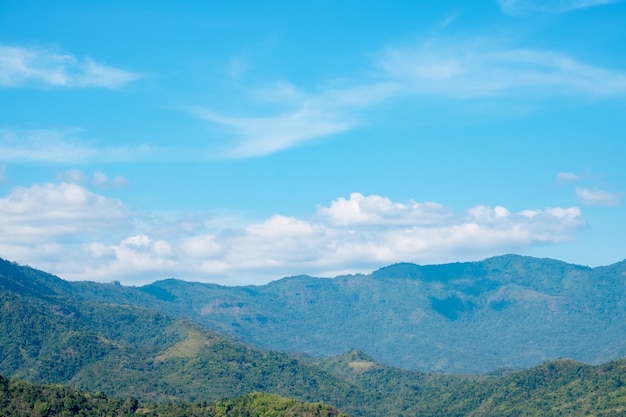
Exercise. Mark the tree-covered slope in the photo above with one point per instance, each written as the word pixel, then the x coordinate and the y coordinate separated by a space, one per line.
pixel 557 388
pixel 508 311
pixel 23 399
pixel 49 336
pixel 503 312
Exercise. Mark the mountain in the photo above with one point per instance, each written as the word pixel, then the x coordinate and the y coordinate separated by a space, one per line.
pixel 503 312
pixel 91 336
pixel 50 335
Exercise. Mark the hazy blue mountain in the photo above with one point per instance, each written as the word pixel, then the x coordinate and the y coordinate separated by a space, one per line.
pixel 503 312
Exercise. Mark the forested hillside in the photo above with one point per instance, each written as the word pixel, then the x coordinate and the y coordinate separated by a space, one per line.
pixel 46 335
pixel 561 388
pixel 23 399
pixel 504 312
pixel 99 338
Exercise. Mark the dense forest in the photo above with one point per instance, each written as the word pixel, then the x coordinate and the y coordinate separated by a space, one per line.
pixel 473 317
pixel 562 388
pixel 22 399
pixel 129 358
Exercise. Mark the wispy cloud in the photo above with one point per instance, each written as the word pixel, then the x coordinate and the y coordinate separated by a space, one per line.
pixel 65 146
pixel 102 180
pixel 310 116
pixel 38 67
pixel 458 69
pixel 566 177
pixel 484 68
pixel 598 197
pixel 523 7
pixel 69 230
pixel 99 179
pixel 258 136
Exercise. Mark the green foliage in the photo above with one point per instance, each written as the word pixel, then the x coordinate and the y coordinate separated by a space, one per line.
pixel 22 399
pixel 504 312
pixel 104 339
pixel 474 317
pixel 266 405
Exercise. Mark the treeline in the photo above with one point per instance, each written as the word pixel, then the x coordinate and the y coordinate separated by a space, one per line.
pixel 23 399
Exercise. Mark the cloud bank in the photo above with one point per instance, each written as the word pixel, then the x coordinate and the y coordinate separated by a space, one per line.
pixel 66 229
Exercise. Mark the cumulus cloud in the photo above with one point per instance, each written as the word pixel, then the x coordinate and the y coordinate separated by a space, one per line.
pixel 523 7
pixel 68 230
pixel 381 211
pixel 598 197
pixel 45 224
pixel 38 67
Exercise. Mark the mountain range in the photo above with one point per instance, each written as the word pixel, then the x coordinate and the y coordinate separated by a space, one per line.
pixel 179 341
pixel 504 312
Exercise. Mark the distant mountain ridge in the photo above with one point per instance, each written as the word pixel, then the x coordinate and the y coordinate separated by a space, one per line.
pixel 504 312
pixel 124 341
pixel 508 311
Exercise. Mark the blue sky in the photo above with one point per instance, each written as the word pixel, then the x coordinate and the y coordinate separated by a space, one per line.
pixel 240 142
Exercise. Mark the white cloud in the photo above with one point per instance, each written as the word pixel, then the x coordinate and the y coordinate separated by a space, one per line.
pixel 484 68
pixel 65 146
pixel 52 215
pixel 27 67
pixel 266 135
pixel 565 177
pixel 598 197
pixel 68 230
pixel 461 69
pixel 308 117
pixel 376 211
pixel 74 176
pixel 523 7
pixel 102 180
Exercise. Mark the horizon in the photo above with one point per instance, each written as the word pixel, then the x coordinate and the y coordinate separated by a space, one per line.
pixel 237 143
pixel 175 278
